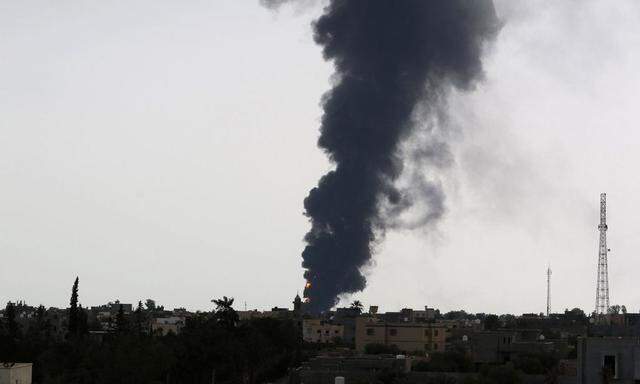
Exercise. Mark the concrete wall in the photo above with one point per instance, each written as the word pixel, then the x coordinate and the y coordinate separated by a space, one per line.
pixel 592 352
pixel 20 373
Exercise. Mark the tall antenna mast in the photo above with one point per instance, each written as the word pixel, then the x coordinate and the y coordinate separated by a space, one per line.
pixel 548 290
pixel 602 289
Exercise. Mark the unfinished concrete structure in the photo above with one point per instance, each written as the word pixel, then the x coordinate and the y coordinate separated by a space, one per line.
pixel 608 360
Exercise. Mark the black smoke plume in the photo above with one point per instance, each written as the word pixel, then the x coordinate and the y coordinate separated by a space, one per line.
pixel 392 58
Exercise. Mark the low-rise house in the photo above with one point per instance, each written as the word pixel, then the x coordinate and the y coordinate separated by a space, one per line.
pixel 429 314
pixel 320 331
pixel 114 308
pixel 491 347
pixel 501 346
pixel 249 315
pixel 165 325
pixel 278 313
pixel 347 318
pixel 406 336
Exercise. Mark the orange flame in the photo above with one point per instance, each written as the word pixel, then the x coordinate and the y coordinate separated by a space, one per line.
pixel 308 285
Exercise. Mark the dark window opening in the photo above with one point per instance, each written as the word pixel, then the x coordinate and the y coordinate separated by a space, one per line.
pixel 393 332
pixel 609 366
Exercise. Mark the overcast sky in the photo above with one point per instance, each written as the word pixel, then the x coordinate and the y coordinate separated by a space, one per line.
pixel 162 149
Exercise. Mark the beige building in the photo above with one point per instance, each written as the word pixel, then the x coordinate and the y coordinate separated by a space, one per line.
pixel 15 373
pixel 319 331
pixel 165 325
pixel 408 337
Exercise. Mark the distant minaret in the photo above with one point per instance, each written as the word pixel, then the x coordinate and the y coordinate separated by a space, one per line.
pixel 548 290
pixel 602 289
pixel 297 304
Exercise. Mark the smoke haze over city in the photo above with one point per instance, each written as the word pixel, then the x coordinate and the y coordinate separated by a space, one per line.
pixel 165 151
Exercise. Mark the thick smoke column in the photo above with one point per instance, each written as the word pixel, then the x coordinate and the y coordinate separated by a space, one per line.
pixel 390 57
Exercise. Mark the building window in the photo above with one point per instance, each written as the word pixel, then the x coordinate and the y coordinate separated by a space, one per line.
pixel 371 331
pixel 427 347
pixel 609 366
pixel 426 332
pixel 393 332
pixel 336 331
pixel 435 346
pixel 435 333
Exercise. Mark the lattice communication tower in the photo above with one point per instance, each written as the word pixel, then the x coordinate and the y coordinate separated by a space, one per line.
pixel 602 289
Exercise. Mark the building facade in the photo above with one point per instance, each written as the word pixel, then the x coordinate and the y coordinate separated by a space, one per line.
pixel 407 336
pixel 319 331
pixel 608 360
pixel 165 325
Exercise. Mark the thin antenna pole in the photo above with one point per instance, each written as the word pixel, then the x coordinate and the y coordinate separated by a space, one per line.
pixel 548 289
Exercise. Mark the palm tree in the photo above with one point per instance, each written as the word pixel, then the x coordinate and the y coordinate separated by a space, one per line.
pixel 224 312
pixel 357 305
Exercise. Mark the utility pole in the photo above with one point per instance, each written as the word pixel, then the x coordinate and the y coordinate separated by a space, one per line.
pixel 602 288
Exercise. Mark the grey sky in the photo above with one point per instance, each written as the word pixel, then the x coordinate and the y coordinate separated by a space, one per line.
pixel 162 149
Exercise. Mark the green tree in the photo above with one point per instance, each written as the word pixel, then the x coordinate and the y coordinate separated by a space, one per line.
pixel 575 312
pixel 450 361
pixel 150 304
pixel 357 305
pixel 456 315
pixel 491 322
pixel 11 324
pixel 509 321
pixel 225 314
pixel 614 309
pixel 139 319
pixel 9 336
pixel 83 321
pixel 500 374
pixel 72 327
pixel 121 321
